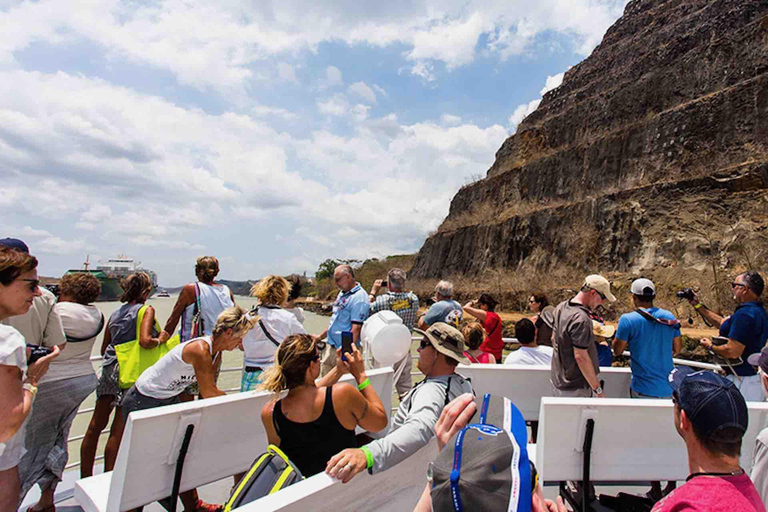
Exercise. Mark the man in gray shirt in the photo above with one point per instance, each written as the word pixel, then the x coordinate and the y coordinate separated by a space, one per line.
pixel 413 426
pixel 574 360
pixel 759 473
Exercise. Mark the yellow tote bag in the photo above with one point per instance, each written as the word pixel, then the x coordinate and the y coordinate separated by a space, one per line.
pixel 133 359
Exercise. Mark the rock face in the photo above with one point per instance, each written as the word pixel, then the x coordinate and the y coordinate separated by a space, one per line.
pixel 653 152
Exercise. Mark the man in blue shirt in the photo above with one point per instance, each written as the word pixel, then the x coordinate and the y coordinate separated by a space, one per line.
pixel 653 335
pixel 350 310
pixel 445 309
pixel 746 330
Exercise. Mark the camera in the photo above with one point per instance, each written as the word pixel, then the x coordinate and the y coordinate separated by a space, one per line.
pixel 37 352
pixel 685 293
pixel 384 283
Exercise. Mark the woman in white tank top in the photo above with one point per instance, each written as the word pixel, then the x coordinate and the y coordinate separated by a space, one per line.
pixel 193 362
pixel 214 298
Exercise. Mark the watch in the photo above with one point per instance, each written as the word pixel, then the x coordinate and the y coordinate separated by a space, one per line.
pixel 598 390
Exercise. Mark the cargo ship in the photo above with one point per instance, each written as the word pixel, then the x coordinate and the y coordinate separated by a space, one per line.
pixel 111 272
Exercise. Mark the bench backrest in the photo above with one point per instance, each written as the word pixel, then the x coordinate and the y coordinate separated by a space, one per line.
pixel 525 385
pixel 634 440
pixel 228 436
pixel 395 490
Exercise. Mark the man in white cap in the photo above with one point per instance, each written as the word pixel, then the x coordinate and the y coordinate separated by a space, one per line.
pixel 574 360
pixel 653 336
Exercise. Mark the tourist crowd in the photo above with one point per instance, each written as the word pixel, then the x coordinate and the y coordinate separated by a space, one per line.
pixel 46 373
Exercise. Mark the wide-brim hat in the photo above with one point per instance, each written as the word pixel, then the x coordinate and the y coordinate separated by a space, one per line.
pixel 760 359
pixel 447 340
pixel 602 330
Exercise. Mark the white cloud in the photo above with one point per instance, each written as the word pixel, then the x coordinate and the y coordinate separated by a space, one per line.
pixel 380 90
pixel 333 76
pixel 29 231
pixel 553 82
pixel 224 45
pixel 286 73
pixel 449 119
pixel 337 105
pixel 361 89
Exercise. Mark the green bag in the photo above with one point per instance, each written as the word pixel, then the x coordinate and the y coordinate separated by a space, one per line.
pixel 133 359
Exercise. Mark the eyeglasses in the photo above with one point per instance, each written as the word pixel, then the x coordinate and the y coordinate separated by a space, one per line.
pixel 424 343
pixel 320 345
pixel 599 293
pixel 33 284
pixel 734 285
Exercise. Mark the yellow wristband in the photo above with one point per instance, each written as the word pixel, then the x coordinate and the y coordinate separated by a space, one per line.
pixel 364 384
pixel 698 306
pixel 368 457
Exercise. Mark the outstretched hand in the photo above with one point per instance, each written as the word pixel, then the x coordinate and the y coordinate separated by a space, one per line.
pixel 346 464
pixel 455 416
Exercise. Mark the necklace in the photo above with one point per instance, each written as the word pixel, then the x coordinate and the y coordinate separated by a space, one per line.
pixel 736 472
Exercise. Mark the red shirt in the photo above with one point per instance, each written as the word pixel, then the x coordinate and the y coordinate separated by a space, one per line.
pixel 493 343
pixel 713 494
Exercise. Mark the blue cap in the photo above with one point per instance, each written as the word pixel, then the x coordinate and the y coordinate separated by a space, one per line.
pixel 711 402
pixel 14 243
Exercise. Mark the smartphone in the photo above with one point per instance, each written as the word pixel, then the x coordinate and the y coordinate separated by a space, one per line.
pixel 719 340
pixel 346 344
pixel 37 352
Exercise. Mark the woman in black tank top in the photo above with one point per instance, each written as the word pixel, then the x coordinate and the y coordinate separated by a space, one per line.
pixel 305 424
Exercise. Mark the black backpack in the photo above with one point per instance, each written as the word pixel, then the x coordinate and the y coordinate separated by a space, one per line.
pixel 269 473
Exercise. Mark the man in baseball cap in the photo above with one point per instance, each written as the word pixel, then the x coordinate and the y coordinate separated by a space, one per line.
pixel 440 351
pixel 575 360
pixel 711 416
pixel 760 462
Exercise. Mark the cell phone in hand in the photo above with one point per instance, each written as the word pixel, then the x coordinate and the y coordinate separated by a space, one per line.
pixel 346 344
pixel 37 352
pixel 719 340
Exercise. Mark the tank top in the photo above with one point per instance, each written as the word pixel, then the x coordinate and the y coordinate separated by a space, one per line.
pixel 213 300
pixel 310 445
pixel 122 328
pixel 170 375
pixel 483 358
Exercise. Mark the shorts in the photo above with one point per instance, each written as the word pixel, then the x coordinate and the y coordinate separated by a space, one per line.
pixel 133 400
pixel 109 383
pixel 13 450
pixel 251 378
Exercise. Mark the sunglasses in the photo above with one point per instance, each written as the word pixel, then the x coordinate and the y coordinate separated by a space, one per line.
pixel 319 347
pixel 734 285
pixel 531 301
pixel 424 343
pixel 33 284
pixel 602 296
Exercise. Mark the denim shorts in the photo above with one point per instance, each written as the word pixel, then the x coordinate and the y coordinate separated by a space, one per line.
pixel 133 400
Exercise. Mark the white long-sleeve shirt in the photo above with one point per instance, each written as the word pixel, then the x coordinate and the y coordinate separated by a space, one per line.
pixel 414 423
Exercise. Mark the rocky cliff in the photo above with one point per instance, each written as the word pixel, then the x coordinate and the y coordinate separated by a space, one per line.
pixel 652 153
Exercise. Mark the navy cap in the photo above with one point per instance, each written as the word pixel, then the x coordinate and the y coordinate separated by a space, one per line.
pixel 711 402
pixel 760 359
pixel 14 243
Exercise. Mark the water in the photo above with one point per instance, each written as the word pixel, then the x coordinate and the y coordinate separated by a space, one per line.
pixel 314 324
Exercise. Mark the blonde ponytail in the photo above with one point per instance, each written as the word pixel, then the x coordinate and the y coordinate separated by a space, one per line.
pixel 293 357
pixel 273 379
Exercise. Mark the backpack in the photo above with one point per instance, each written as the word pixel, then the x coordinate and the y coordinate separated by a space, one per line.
pixel 269 473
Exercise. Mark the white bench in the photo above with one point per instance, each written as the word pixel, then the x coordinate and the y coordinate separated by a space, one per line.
pixel 525 385
pixel 228 435
pixel 395 490
pixel 632 440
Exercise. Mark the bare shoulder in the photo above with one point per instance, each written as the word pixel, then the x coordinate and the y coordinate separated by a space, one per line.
pixel 268 409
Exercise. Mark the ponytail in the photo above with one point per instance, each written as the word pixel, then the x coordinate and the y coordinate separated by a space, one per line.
pixel 273 379
pixel 292 360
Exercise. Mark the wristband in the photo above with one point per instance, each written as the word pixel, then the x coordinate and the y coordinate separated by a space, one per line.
pixel 31 388
pixel 368 457
pixel 698 306
pixel 364 384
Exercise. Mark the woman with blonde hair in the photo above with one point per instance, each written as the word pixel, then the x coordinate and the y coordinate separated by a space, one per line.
pixel 18 379
pixel 474 334
pixel 317 418
pixel 275 324
pixel 192 362
pixel 121 328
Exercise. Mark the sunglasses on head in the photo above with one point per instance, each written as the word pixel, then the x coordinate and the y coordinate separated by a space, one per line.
pixel 32 283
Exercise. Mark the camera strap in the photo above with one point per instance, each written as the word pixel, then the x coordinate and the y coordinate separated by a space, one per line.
pixel 663 321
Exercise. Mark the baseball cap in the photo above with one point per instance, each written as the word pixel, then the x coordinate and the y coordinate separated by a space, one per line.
pixel 485 466
pixel 711 402
pixel 447 340
pixel 760 359
pixel 14 243
pixel 643 287
pixel 601 285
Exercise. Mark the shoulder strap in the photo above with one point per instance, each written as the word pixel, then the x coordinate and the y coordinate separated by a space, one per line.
pixel 73 339
pixel 498 324
pixel 662 321
pixel 266 333
pixel 447 391
pixel 471 358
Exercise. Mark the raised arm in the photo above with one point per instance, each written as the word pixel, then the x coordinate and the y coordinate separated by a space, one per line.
pixel 475 312
pixel 186 297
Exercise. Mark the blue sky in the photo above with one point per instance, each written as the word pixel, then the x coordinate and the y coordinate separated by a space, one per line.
pixel 271 134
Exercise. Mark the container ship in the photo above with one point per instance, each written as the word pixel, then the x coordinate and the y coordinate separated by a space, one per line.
pixel 110 272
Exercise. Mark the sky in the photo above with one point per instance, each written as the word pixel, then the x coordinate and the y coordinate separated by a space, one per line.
pixel 270 134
